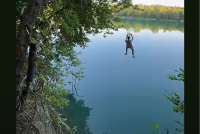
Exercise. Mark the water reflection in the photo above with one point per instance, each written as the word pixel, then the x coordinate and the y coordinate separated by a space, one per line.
pixel 153 25
pixel 127 94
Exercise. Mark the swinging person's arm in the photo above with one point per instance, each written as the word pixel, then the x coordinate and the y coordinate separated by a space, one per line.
pixel 126 37
pixel 132 37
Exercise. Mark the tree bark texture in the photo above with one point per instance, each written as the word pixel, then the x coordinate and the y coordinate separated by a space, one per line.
pixel 28 20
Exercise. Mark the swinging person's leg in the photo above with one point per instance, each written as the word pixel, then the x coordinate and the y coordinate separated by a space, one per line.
pixel 126 50
pixel 132 51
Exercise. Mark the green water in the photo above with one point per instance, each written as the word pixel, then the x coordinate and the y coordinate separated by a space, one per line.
pixel 127 93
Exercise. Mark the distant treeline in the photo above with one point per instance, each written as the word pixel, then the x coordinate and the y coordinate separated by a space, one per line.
pixel 153 11
pixel 153 25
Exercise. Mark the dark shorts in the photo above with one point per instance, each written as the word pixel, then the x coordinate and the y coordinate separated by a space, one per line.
pixel 130 46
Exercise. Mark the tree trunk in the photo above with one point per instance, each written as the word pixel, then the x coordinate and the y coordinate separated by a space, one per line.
pixel 28 20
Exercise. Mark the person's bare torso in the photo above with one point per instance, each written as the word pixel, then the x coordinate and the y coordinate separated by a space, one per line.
pixel 128 43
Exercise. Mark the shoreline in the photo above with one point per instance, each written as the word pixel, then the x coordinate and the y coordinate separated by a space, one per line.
pixel 153 19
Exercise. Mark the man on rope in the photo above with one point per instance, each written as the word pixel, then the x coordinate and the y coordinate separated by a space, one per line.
pixel 129 44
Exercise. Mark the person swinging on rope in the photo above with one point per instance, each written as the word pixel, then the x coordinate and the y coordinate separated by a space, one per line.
pixel 129 44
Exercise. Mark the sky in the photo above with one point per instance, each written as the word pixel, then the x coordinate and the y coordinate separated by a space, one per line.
pixel 160 2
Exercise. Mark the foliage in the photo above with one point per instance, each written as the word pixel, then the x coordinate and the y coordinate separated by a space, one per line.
pixel 153 11
pixel 179 77
pixel 156 128
pixel 176 99
pixel 178 103
pixel 60 26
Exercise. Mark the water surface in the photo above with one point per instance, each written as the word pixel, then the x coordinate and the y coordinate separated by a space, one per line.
pixel 127 93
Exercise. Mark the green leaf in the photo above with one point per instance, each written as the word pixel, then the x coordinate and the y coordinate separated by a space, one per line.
pixel 156 126
pixel 152 123
pixel 154 132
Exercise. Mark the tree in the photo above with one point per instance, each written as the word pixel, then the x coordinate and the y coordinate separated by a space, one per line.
pixel 154 11
pixel 56 27
pixel 64 21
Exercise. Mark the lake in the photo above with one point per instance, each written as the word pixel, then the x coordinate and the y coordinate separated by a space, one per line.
pixel 127 93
